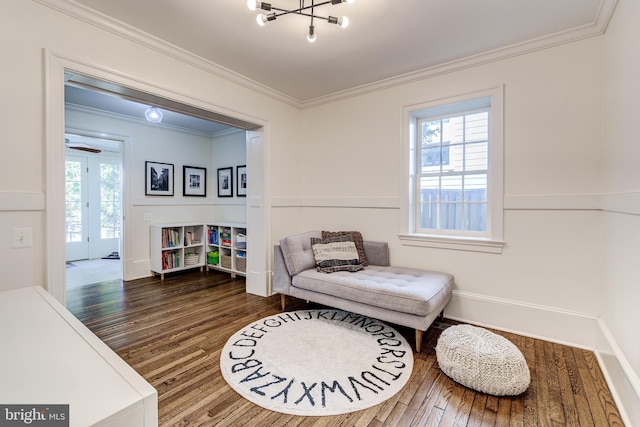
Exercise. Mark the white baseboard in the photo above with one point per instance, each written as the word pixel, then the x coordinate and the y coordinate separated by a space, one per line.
pixel 137 269
pixel 623 382
pixel 547 323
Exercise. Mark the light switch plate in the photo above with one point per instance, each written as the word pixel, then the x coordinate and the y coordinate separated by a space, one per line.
pixel 21 238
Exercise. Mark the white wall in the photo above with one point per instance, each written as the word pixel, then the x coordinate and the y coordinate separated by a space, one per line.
pixel 550 269
pixel 229 150
pixel 29 32
pixel 618 345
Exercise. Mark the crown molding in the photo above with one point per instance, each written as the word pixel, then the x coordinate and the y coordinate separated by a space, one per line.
pixel 114 26
pixel 595 28
pixel 81 12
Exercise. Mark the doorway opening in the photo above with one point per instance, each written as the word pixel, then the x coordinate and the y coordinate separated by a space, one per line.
pixel 93 208
pixel 64 72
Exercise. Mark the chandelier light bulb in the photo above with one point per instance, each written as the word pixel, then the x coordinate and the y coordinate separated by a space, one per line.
pixel 261 19
pixel 252 4
pixel 343 22
pixel 312 35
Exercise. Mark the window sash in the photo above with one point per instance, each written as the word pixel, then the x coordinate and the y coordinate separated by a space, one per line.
pixel 451 211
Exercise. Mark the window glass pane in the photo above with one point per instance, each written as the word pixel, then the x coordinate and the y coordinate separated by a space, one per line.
pixel 73 208
pixel 429 215
pixel 432 157
pixel 429 188
pixel 430 132
pixel 475 188
pixel 451 190
pixel 453 130
pixel 109 201
pixel 456 159
pixel 451 216
pixel 475 216
pixel 477 156
pixel 477 127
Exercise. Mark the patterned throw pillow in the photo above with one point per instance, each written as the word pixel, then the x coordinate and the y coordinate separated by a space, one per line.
pixel 335 254
pixel 357 239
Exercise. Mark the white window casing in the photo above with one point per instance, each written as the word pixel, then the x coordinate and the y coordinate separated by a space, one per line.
pixel 486 237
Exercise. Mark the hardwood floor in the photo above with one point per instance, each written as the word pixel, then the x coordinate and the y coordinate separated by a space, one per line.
pixel 172 332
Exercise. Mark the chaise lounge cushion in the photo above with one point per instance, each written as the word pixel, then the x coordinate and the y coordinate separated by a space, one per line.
pixel 407 290
pixel 297 252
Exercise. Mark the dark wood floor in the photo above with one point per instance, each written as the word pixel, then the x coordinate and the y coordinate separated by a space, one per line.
pixel 171 332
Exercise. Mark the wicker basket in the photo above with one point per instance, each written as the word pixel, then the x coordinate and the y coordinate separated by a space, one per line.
pixel 225 261
pixel 191 259
pixel 241 264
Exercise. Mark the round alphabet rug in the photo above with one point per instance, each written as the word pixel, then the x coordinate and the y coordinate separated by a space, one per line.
pixel 317 362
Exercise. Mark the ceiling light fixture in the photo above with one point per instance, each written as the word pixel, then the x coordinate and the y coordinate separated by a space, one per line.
pixel 153 114
pixel 303 10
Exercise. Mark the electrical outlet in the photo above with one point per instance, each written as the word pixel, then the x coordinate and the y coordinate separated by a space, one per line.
pixel 21 238
pixel 147 217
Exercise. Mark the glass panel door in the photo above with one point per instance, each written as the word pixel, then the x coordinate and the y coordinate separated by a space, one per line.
pixel 76 204
pixel 105 195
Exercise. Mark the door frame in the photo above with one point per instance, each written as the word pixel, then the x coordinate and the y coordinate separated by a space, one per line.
pixel 55 66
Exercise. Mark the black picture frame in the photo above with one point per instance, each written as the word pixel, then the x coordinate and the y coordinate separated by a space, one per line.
pixel 194 181
pixel 158 179
pixel 241 181
pixel 225 182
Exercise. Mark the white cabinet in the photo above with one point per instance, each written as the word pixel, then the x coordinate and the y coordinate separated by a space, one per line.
pixel 227 247
pixel 49 356
pixel 176 247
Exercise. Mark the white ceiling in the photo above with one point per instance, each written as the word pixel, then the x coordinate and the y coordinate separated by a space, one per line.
pixel 384 39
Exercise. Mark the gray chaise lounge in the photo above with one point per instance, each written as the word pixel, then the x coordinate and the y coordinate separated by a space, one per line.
pixel 404 296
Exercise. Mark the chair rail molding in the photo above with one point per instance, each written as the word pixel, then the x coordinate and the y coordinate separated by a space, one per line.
pixel 21 201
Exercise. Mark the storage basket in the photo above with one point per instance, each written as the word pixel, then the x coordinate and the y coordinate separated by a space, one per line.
pixel 225 261
pixel 241 263
pixel 191 259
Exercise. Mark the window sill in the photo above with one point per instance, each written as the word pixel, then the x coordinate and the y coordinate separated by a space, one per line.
pixel 454 243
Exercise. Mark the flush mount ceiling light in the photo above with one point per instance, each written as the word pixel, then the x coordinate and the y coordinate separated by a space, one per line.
pixel 153 114
pixel 305 9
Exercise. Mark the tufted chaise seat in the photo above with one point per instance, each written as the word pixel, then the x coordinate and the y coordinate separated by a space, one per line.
pixel 405 296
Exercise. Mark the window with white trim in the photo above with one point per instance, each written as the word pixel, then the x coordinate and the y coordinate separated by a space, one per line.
pixel 456 169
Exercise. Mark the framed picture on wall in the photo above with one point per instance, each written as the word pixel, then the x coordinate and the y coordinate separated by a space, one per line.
pixel 225 182
pixel 241 181
pixel 158 179
pixel 194 181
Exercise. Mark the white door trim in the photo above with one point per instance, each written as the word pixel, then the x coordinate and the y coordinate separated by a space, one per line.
pixel 55 66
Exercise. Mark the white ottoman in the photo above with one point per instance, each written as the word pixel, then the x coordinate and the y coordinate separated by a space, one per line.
pixel 481 360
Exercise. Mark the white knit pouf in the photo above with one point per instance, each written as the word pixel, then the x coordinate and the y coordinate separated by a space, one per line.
pixel 481 360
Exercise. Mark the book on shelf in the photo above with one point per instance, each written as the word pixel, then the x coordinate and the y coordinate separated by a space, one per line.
pixel 170 238
pixel 170 260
